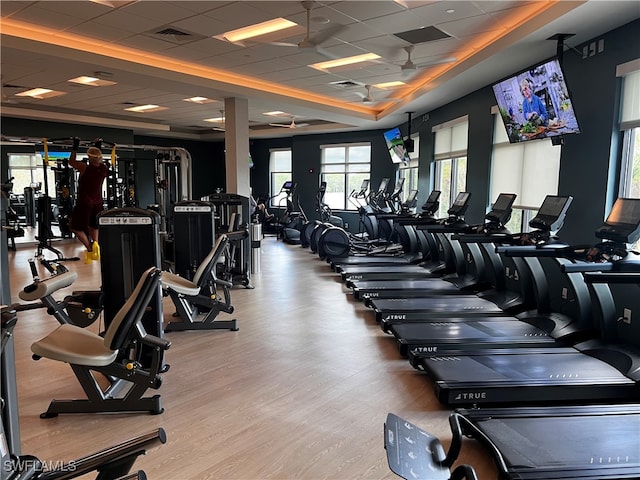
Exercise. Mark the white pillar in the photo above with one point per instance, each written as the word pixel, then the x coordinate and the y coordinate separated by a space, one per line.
pixel 236 136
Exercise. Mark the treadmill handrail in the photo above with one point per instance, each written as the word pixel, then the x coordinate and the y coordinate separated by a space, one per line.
pixel 551 250
pixel 587 267
pixel 612 277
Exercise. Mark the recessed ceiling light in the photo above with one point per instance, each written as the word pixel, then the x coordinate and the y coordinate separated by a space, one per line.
pixel 199 100
pixel 91 81
pixel 450 10
pixel 40 93
pixel 214 120
pixel 145 108
pixel 114 3
pixel 394 84
pixel 276 113
pixel 341 62
pixel 256 30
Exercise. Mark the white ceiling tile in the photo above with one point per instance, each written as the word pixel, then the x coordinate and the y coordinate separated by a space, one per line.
pixel 369 27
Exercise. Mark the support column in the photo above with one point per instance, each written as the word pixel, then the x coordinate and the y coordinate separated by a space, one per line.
pixel 237 145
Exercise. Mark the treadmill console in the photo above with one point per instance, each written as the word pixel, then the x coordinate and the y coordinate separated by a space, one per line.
pixel 551 214
pixel 410 202
pixel 288 186
pixel 398 188
pixel 623 223
pixel 362 193
pixel 501 210
pixel 460 205
pixel 430 207
pixel 384 183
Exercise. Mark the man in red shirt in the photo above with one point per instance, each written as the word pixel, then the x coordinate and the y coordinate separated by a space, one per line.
pixel 84 222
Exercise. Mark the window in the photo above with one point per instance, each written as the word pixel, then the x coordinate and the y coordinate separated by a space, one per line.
pixel 450 155
pixel 410 171
pixel 512 167
pixel 28 171
pixel 344 167
pixel 630 126
pixel 280 171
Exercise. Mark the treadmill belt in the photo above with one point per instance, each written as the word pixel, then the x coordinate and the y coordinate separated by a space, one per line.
pixel 569 441
pixel 544 368
pixel 487 330
pixel 435 284
pixel 458 303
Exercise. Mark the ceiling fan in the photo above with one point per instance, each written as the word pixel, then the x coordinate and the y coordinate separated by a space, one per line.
pixel 221 128
pixel 313 42
pixel 408 66
pixel 8 91
pixel 293 124
pixel 368 97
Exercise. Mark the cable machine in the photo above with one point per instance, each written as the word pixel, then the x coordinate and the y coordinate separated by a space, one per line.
pixel 172 183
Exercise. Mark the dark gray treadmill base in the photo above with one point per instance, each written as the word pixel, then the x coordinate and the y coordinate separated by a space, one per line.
pixel 402 288
pixel 412 309
pixel 440 338
pixel 339 263
pixel 525 375
pixel 386 325
pixel 590 442
pixel 388 272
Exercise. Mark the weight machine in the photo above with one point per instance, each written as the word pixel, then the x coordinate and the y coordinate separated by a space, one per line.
pixel 172 183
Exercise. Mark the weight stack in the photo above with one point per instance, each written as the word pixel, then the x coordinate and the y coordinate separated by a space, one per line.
pixel 193 235
pixel 129 245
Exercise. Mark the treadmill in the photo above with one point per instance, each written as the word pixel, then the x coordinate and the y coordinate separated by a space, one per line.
pixel 526 284
pixel 405 220
pixel 602 369
pixel 473 280
pixel 556 320
pixel 441 261
pixel 588 442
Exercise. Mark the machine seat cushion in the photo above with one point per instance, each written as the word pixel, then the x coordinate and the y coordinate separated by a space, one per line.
pixel 45 287
pixel 179 284
pixel 75 345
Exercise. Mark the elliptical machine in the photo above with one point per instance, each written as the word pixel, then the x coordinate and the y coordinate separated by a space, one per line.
pixel 293 219
pixel 377 215
pixel 312 230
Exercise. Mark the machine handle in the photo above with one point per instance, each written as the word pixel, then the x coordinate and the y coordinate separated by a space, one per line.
pixel 612 277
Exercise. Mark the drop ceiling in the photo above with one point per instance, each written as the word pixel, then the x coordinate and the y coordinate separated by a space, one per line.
pixel 162 52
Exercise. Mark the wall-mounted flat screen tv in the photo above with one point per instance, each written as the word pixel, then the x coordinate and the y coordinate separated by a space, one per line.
pixel 536 104
pixel 395 145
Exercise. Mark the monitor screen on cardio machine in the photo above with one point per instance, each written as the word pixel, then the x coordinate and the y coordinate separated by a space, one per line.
pixel 431 205
pixel 398 187
pixel 384 183
pixel 623 222
pixel 411 198
pixel 460 204
pixel 501 209
pixel 362 193
pixel 550 216
pixel 288 185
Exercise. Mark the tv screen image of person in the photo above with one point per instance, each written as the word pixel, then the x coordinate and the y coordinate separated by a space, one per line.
pixel 396 146
pixel 536 104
